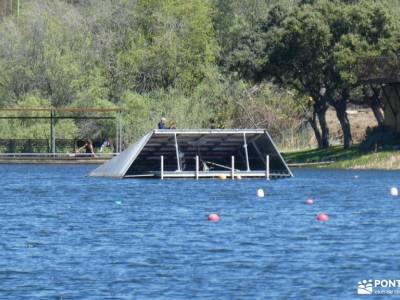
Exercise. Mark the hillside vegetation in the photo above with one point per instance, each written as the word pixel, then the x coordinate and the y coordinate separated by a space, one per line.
pixel 252 63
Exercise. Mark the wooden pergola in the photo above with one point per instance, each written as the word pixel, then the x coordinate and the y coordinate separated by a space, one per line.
pixel 379 70
pixel 7 7
pixel 385 72
pixel 60 113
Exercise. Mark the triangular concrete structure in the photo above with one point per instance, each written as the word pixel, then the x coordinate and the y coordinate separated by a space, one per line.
pixel 197 153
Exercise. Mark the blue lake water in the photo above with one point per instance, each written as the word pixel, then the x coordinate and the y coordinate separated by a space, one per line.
pixel 68 236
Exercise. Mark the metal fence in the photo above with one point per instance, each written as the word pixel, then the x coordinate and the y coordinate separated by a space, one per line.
pixel 44 145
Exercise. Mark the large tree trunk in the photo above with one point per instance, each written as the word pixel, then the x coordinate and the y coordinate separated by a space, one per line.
pixel 320 126
pixel 372 98
pixel 376 109
pixel 341 113
pixel 317 133
pixel 324 126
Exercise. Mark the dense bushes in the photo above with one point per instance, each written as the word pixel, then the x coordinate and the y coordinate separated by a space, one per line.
pixel 187 60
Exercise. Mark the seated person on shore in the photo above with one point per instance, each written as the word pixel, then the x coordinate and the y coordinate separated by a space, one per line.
pixel 107 143
pixel 88 147
pixel 211 124
pixel 162 125
pixel 172 125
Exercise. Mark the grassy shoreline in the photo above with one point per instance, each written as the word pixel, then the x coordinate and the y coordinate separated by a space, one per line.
pixel 339 158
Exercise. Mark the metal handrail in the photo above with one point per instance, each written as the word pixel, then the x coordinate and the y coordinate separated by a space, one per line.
pixel 98 155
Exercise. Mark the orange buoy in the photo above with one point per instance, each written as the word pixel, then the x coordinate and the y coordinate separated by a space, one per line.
pixel 213 218
pixel 322 217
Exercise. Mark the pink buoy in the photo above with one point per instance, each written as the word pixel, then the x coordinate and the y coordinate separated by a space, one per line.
pixel 322 217
pixel 309 201
pixel 213 218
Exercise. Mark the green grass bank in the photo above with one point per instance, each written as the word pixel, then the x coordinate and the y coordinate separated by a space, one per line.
pixel 338 157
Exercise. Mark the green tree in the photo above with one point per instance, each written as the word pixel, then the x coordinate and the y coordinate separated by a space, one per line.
pixel 318 48
pixel 358 29
pixel 296 56
pixel 171 46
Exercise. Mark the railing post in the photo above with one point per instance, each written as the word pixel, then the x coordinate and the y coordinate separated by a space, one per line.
pixel 246 152
pixel 233 167
pixel 121 134
pixel 177 153
pixel 267 167
pixel 117 150
pixel 162 167
pixel 197 167
pixel 52 133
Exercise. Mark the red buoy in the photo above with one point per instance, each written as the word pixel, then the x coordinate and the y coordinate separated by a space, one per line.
pixel 322 217
pixel 309 201
pixel 213 218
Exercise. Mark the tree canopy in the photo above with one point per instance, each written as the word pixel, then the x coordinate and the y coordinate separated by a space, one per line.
pixel 315 48
pixel 240 63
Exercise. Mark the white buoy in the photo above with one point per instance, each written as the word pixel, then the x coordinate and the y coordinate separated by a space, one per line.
pixel 260 193
pixel 118 202
pixel 394 191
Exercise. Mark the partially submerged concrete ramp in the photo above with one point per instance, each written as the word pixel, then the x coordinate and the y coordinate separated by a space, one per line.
pixel 198 153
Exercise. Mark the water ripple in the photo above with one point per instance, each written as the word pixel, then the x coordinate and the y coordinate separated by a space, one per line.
pixel 68 236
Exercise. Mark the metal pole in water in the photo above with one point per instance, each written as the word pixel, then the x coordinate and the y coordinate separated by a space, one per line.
pixel 162 167
pixel 177 153
pixel 233 167
pixel 247 154
pixel 267 167
pixel 197 167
